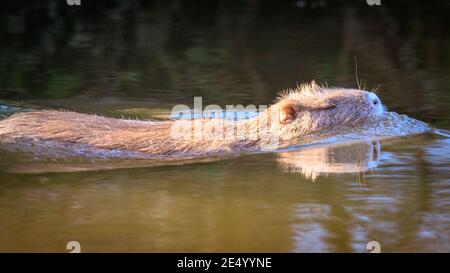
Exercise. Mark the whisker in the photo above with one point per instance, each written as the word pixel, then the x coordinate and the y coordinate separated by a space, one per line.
pixel 359 181
pixel 375 89
pixel 356 73
pixel 364 178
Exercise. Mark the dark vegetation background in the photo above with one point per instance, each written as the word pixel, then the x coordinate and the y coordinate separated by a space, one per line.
pixel 229 52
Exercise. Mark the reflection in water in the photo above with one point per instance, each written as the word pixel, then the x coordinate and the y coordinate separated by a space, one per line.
pixel 331 159
pixel 309 233
pixel 243 204
pixel 109 56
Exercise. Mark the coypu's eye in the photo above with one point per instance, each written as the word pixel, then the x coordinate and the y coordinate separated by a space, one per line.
pixel 324 105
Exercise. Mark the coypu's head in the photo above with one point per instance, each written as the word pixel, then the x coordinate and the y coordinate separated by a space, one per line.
pixel 310 108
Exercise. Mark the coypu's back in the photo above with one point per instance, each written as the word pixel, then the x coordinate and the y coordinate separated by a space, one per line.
pixel 100 132
pixel 150 137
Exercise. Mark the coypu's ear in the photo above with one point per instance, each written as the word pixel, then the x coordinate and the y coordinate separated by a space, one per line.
pixel 288 112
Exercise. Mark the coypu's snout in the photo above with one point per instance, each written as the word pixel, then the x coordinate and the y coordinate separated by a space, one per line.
pixel 376 103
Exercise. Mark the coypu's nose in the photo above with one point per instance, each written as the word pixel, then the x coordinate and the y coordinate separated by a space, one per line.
pixel 374 99
pixel 376 102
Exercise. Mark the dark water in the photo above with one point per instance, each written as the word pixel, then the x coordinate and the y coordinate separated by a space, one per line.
pixel 139 59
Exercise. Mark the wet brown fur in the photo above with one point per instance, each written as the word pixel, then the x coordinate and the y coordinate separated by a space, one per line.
pixel 296 113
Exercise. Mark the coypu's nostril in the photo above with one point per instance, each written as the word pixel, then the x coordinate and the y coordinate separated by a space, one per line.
pixel 373 98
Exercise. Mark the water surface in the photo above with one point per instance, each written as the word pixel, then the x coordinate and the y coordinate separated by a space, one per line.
pixel 138 60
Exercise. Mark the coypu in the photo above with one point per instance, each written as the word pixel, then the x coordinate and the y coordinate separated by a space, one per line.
pixel 297 112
